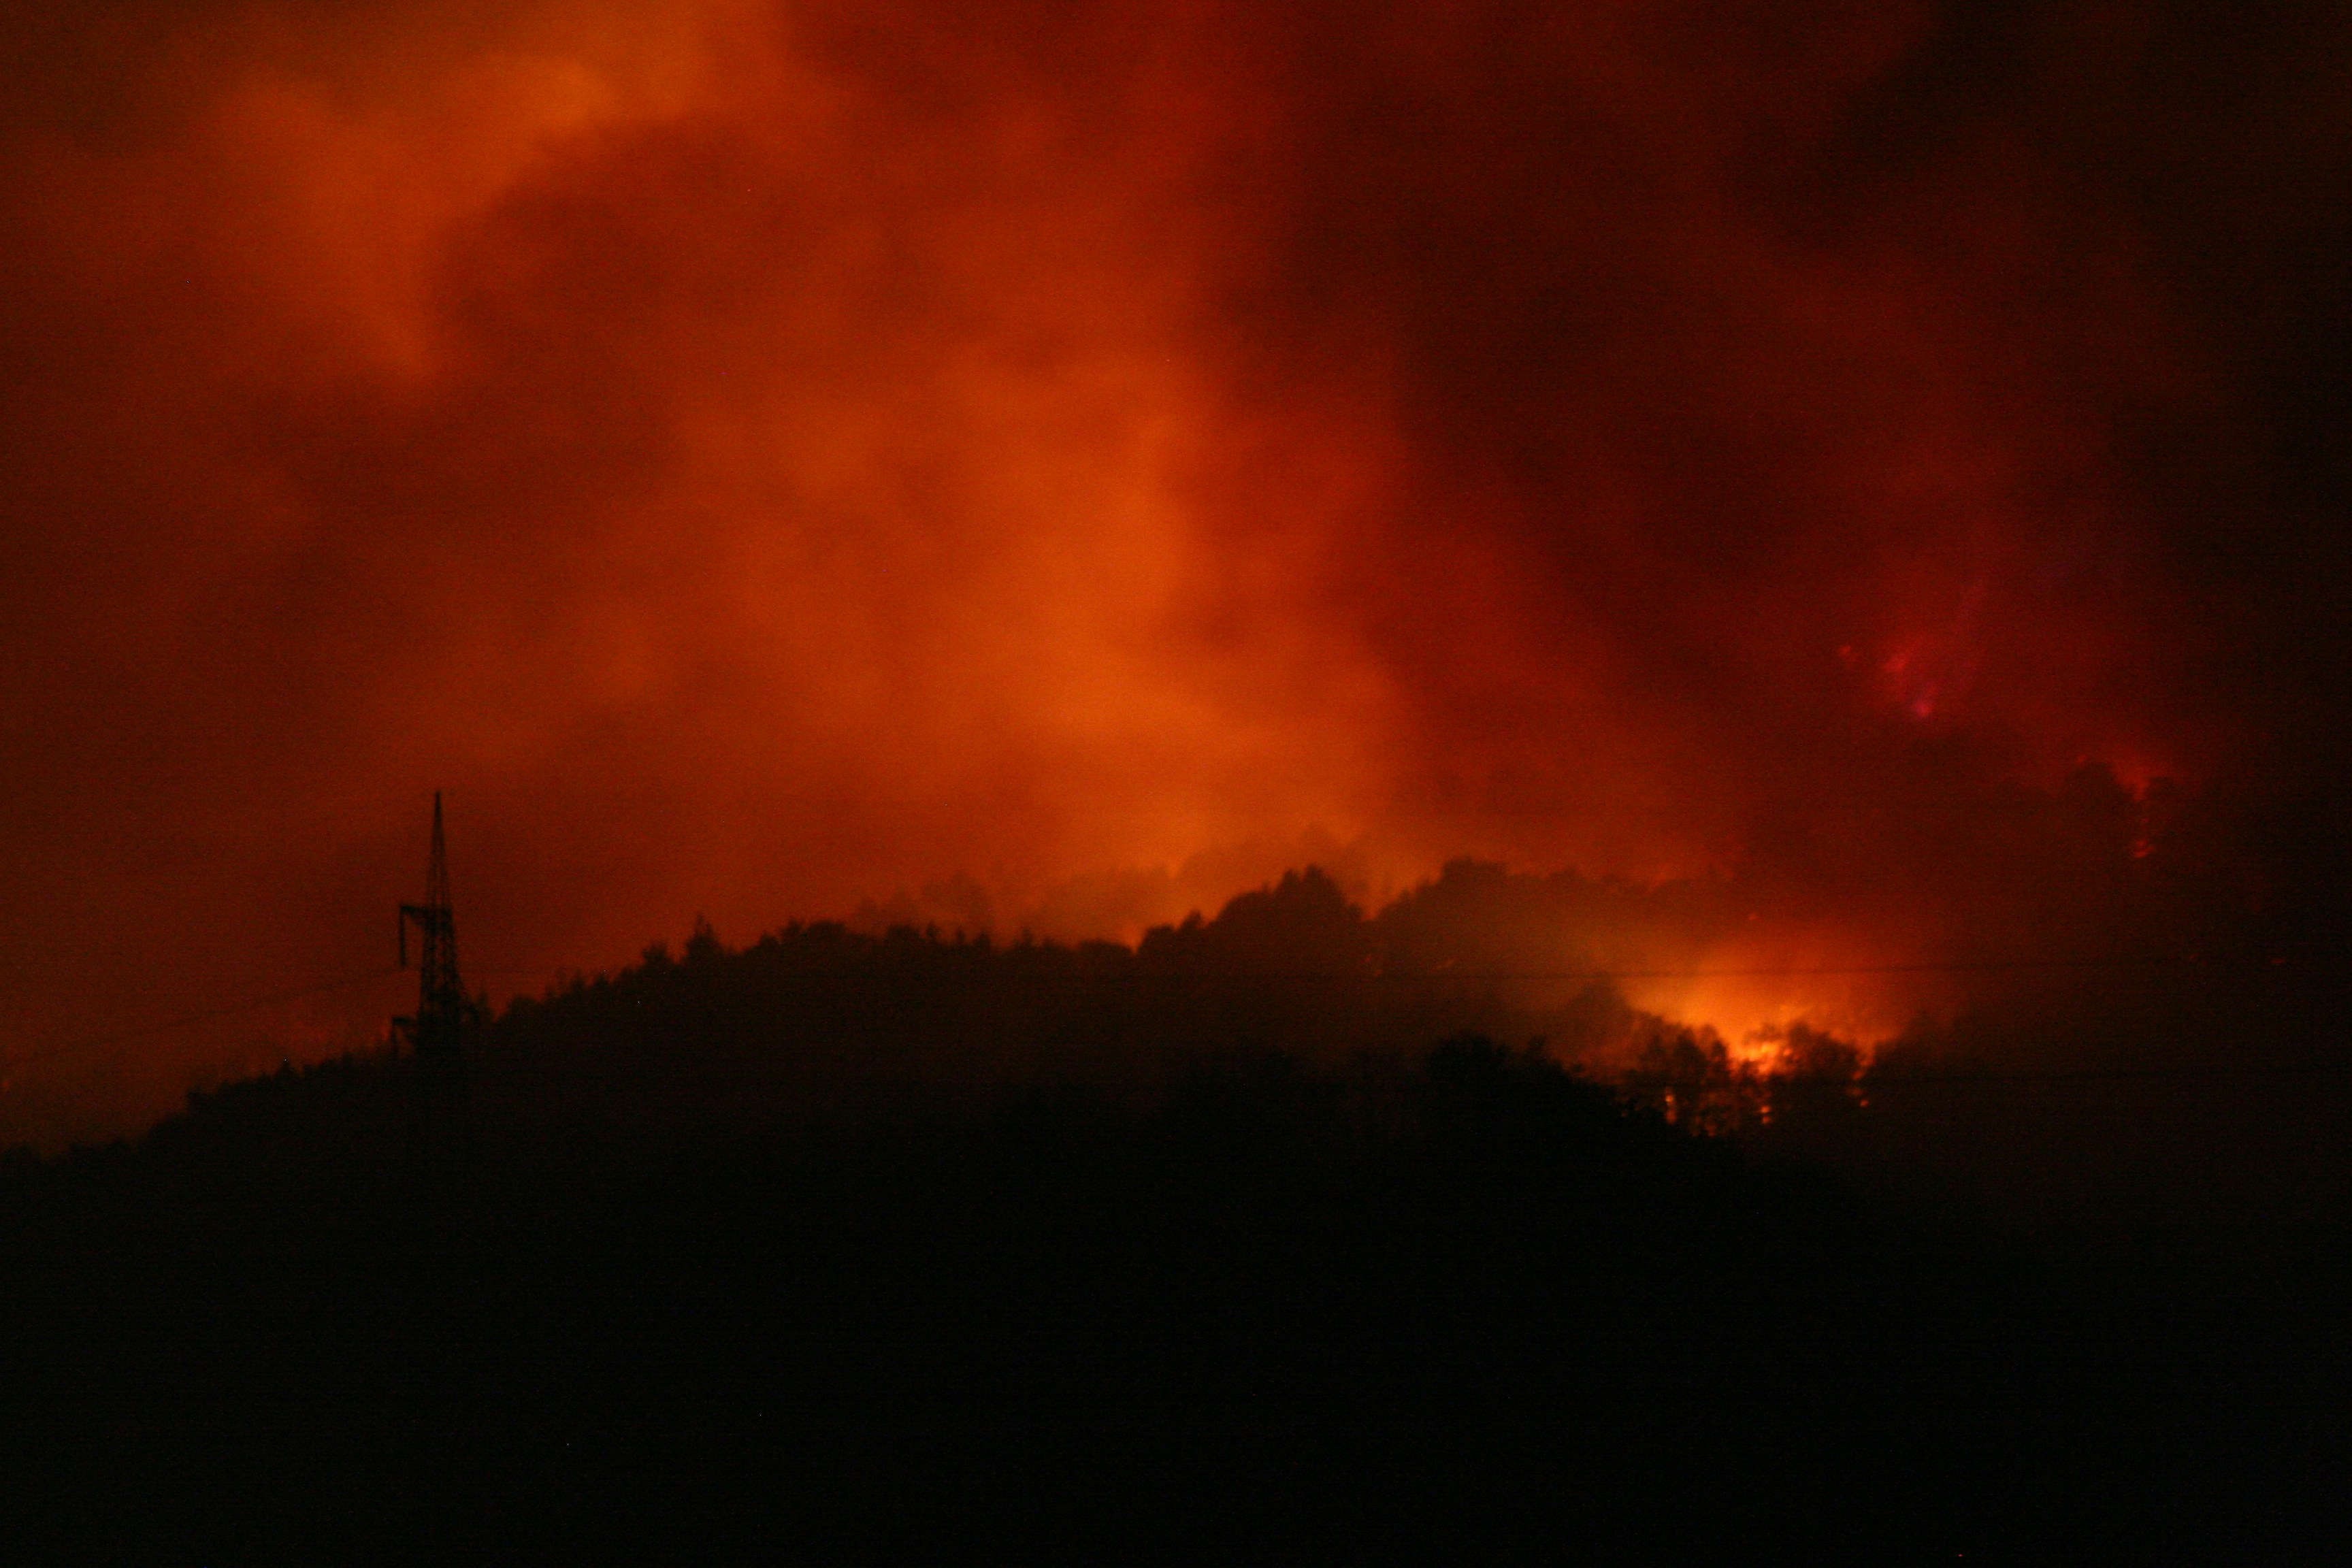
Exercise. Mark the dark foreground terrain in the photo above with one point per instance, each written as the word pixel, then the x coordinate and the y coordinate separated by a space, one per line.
pixel 1466 1308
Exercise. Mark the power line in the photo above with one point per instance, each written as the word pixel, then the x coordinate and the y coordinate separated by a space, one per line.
pixel 579 1071
pixel 1871 1082
pixel 1231 976
pixel 124 1037
pixel 1434 976
pixel 1950 967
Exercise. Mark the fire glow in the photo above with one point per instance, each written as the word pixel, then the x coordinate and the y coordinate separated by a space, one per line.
pixel 759 458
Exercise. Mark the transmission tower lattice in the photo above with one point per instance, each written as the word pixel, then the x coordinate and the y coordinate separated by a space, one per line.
pixel 436 1033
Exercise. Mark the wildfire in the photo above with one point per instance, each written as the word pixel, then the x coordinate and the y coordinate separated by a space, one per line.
pixel 1752 1001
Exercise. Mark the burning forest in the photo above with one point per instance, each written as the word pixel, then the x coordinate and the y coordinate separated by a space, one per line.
pixel 1730 615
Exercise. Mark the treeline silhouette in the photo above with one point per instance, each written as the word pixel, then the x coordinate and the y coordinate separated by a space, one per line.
pixel 2155 1094
pixel 2144 965
pixel 817 1024
pixel 1452 1300
pixel 1290 1234
pixel 1266 1301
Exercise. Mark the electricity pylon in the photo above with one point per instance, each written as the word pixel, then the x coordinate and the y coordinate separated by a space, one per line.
pixel 436 1034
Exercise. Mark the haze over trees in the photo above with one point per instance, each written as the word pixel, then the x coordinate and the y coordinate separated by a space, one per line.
pixel 1400 1222
pixel 2137 1037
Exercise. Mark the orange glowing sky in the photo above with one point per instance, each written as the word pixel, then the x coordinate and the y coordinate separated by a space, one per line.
pixel 762 456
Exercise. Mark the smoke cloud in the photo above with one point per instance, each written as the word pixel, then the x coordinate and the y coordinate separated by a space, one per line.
pixel 1057 466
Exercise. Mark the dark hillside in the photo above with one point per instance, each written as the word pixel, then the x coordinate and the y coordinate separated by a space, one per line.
pixel 1448 1303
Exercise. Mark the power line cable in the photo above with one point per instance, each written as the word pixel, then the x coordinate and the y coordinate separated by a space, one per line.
pixel 1240 976
pixel 1431 976
pixel 1870 1082
pixel 125 1037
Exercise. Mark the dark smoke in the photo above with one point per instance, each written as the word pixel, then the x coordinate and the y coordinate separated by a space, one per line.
pixel 757 459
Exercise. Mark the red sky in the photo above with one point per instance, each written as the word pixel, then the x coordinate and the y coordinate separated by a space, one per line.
pixel 757 457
